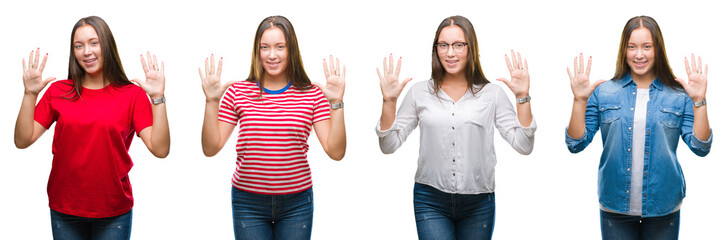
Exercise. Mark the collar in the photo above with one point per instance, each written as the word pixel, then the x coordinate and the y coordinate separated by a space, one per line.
pixel 279 91
pixel 627 79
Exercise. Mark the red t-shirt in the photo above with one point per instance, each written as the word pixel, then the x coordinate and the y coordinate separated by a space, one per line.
pixel 272 144
pixel 91 163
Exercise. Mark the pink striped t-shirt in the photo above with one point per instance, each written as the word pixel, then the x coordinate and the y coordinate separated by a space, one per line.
pixel 272 142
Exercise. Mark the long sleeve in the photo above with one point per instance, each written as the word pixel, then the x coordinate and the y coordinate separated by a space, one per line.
pixel 519 137
pixel 592 120
pixel 405 122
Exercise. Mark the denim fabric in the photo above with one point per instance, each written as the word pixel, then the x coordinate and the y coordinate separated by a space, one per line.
pixel 669 116
pixel 616 226
pixel 69 227
pixel 263 216
pixel 441 215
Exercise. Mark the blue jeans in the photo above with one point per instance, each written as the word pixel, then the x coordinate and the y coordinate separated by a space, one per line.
pixel 262 216
pixel 441 215
pixel 620 226
pixel 72 227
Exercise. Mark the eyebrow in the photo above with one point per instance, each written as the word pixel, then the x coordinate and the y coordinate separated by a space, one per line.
pixel 91 39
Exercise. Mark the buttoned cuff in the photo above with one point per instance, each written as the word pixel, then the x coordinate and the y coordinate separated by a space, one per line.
pixel 572 141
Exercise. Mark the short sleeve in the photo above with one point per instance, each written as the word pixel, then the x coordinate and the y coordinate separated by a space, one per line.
pixel 44 112
pixel 142 116
pixel 321 107
pixel 227 111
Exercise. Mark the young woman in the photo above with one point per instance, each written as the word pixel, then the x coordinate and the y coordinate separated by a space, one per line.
pixel 457 110
pixel 276 106
pixel 642 111
pixel 98 110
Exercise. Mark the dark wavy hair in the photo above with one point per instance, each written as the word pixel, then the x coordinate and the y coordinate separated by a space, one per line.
pixel 112 70
pixel 662 70
pixel 295 62
pixel 475 77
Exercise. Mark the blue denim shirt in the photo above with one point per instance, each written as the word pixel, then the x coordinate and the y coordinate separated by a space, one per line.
pixel 669 115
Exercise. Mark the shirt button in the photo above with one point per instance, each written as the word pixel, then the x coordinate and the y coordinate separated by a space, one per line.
pixel 628 169
pixel 453 160
pixel 632 109
pixel 648 132
pixel 452 127
pixel 647 152
pixel 627 191
pixel 452 114
pixel 603 109
pixel 649 111
pixel 454 174
pixel 629 128
pixel 452 144
pixel 634 93
pixel 646 174
pixel 628 149
pixel 644 194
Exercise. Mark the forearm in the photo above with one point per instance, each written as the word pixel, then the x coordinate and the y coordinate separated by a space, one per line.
pixel 524 114
pixel 577 124
pixel 388 114
pixel 337 135
pixel 24 123
pixel 211 129
pixel 160 131
pixel 701 123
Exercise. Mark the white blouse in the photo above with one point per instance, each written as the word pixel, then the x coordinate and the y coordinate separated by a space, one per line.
pixel 456 152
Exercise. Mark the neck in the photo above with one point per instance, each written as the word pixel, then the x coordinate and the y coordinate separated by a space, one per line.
pixel 95 81
pixel 454 80
pixel 275 82
pixel 643 81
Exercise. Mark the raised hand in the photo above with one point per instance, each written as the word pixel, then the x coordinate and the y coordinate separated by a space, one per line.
pixel 211 86
pixel 154 83
pixel 390 86
pixel 520 83
pixel 579 83
pixel 696 88
pixel 32 73
pixel 335 81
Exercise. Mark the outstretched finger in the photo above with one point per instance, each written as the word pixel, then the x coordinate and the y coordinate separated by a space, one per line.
pixel 219 68
pixel 509 65
pixel 162 68
pixel 580 63
pixel 338 67
pixel 25 68
pixel 143 63
pixel 326 69
pixel 343 76
pixel 156 64
pixel 206 66
pixel 515 64
pixel 212 64
pixel 42 64
pixel 588 68
pixel 30 60
pixel 391 63
pixel 201 75
pixel 569 74
pixel 686 66
pixel 694 64
pixel 526 64
pixel 398 69
pixel 706 69
pixel 520 61
pixel 699 65
pixel 681 82
pixel 37 59
pixel 333 70
pixel 575 66
pixel 150 61
pixel 381 78
pixel 403 83
pixel 504 80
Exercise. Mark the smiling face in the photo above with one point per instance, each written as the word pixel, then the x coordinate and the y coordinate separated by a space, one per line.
pixel 87 50
pixel 453 58
pixel 274 53
pixel 640 53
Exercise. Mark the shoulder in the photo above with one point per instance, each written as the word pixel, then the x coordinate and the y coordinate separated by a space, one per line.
pixel 63 85
pixel 610 86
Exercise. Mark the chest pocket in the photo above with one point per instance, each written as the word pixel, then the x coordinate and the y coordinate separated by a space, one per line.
pixel 609 112
pixel 671 117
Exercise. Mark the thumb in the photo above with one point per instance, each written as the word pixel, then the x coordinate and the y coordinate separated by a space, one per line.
pixel 318 85
pixel 403 83
pixel 504 80
pixel 595 84
pixel 48 80
pixel 681 82
pixel 228 84
pixel 137 82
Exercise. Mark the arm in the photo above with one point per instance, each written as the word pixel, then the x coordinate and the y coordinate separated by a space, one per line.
pixel 520 86
pixel 214 133
pixel 27 130
pixel 393 129
pixel 698 136
pixel 155 137
pixel 582 89
pixel 332 132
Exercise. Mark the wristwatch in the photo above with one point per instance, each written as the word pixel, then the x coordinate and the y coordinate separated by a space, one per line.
pixel 160 100
pixel 523 100
pixel 335 106
pixel 700 103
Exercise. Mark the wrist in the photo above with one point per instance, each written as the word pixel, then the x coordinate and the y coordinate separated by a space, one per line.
pixel 699 98
pixel 30 94
pixel 390 100
pixel 522 95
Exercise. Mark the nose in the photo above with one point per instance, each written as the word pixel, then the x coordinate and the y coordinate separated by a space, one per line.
pixel 450 50
pixel 272 54
pixel 87 50
pixel 640 53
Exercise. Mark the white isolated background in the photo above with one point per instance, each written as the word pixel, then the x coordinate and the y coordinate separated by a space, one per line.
pixel 550 194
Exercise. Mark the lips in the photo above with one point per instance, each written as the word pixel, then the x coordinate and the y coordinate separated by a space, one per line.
pixel 640 64
pixel 451 63
pixel 273 64
pixel 89 62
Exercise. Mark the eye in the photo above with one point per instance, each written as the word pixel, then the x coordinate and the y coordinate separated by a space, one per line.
pixel 94 43
pixel 647 46
pixel 459 45
pixel 263 47
pixel 631 47
pixel 442 45
pixel 77 46
pixel 281 47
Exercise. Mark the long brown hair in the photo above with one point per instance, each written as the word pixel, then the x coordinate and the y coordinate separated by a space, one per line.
pixel 112 70
pixel 661 62
pixel 475 77
pixel 295 70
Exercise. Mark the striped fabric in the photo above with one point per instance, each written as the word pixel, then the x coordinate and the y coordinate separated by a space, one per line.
pixel 272 143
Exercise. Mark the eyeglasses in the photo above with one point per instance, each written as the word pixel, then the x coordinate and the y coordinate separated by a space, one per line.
pixel 442 47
